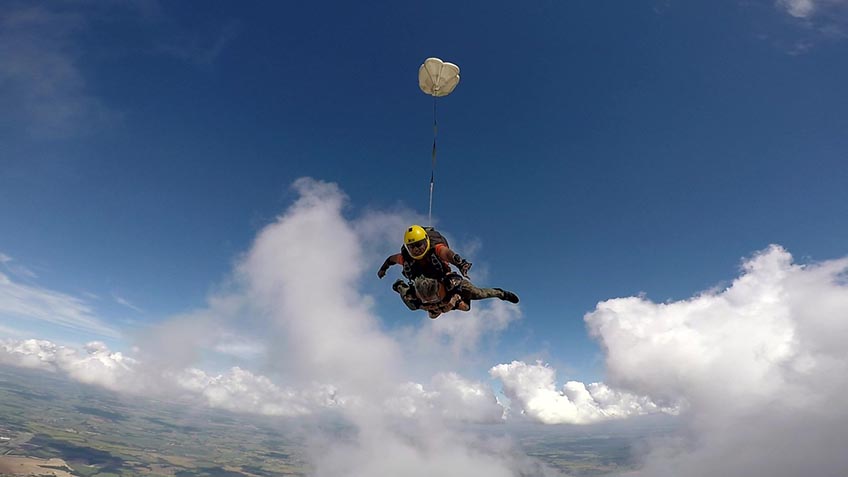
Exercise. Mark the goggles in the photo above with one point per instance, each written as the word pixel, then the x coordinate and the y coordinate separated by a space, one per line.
pixel 417 248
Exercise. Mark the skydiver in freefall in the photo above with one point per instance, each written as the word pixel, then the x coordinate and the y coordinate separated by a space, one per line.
pixel 438 298
pixel 433 286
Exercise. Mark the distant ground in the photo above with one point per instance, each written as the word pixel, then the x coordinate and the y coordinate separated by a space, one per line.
pixel 90 432
pixel 16 465
pixel 98 433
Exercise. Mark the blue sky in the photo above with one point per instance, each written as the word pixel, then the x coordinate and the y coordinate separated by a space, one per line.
pixel 591 151
pixel 195 198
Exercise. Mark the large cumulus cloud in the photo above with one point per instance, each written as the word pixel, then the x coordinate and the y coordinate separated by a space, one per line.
pixel 757 369
pixel 307 340
pixel 761 366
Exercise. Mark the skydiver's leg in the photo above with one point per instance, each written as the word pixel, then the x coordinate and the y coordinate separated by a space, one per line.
pixel 508 295
pixel 470 292
pixel 407 294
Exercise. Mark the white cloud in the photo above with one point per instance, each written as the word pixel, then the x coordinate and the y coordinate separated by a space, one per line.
pixel 240 347
pixel 19 301
pixel 815 22
pixel 461 399
pixel 295 305
pixel 761 364
pixel 532 391
pixel 237 390
pixel 40 72
pixel 421 451
pixel 242 391
pixel 123 301
pixel 459 341
pixel 805 9
pixel 798 8
pixel 450 397
pixel 39 354
pixel 15 268
pixel 297 292
pixel 181 341
pixel 97 366
pixel 464 330
pixel 303 271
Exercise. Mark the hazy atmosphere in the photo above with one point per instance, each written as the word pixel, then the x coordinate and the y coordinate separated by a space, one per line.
pixel 195 199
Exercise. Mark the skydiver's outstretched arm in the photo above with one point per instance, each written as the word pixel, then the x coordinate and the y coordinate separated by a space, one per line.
pixel 450 256
pixel 396 259
pixel 453 302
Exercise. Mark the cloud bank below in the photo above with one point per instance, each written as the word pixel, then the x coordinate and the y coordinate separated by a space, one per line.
pixel 295 309
pixel 767 351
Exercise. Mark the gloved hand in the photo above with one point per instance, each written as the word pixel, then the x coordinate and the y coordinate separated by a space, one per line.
pixel 461 263
pixel 464 266
pixel 381 273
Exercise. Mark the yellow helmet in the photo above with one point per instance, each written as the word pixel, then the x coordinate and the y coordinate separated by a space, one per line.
pixel 416 241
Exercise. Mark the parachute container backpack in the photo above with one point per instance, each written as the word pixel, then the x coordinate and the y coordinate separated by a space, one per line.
pixel 436 78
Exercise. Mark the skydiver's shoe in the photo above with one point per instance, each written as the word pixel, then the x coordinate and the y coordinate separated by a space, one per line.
pixel 433 314
pixel 400 286
pixel 508 296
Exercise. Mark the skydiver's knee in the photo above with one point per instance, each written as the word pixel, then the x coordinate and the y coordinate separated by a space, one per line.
pixel 410 302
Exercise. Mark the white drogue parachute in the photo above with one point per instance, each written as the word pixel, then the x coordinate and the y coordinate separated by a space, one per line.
pixel 438 78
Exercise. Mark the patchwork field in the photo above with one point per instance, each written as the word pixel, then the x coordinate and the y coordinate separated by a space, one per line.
pixel 54 427
pixel 26 466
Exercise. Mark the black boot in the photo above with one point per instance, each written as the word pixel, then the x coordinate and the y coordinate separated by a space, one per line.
pixel 400 286
pixel 508 295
